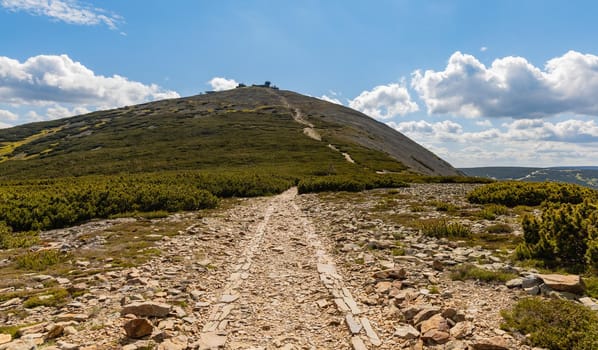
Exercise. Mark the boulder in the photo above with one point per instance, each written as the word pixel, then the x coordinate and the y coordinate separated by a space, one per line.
pixel 425 314
pixel 146 309
pixel 5 338
pixel 435 336
pixel 435 322
pixel 383 287
pixel 54 332
pixel 138 328
pixel 530 281
pixel 564 283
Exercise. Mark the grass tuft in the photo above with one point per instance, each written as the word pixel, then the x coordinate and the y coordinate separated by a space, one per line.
pixel 443 228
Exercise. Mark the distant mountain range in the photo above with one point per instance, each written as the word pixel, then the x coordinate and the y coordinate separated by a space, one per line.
pixel 581 175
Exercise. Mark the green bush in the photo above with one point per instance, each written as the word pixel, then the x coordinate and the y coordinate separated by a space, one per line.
pixel 41 259
pixel 443 228
pixel 591 286
pixel 513 193
pixel 10 240
pixel 471 272
pixel 554 324
pixel 565 235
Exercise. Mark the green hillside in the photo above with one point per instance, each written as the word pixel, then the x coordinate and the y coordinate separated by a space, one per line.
pixel 249 128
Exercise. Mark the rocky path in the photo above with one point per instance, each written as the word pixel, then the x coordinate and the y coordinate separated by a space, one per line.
pixel 284 272
pixel 256 277
pixel 282 303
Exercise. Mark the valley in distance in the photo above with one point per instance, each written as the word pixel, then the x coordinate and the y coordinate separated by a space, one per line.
pixel 260 218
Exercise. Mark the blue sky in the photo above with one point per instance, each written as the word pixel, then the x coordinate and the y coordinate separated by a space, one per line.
pixel 478 82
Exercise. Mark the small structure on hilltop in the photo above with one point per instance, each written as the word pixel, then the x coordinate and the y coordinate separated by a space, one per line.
pixel 267 84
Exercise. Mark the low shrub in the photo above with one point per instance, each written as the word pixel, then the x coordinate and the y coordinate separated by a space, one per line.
pixel 443 206
pixel 41 259
pixel 471 272
pixel 554 324
pixel 443 228
pixel 348 183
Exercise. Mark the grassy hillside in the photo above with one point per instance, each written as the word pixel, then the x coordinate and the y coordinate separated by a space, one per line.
pixel 178 134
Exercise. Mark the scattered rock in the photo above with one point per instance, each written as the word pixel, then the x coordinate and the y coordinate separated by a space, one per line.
pixel 406 332
pixel 383 287
pixel 37 328
pixel 391 274
pixel 589 303
pixel 5 338
pixel 494 343
pixel 462 330
pixel 514 283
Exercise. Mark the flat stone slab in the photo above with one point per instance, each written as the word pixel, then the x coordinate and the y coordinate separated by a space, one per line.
pixel 211 340
pixel 353 324
pixel 564 283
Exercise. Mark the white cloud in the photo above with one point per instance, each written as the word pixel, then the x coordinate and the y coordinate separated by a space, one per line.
pixel 484 123
pixel 33 116
pixel 68 11
pixel 511 87
pixel 8 115
pixel 483 49
pixel 221 84
pixel 58 112
pixel 384 102
pixel 331 99
pixel 49 79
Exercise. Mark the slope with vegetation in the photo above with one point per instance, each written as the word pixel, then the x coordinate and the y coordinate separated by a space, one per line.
pixel 181 154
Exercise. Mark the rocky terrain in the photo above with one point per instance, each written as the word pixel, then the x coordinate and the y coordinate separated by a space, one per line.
pixel 327 271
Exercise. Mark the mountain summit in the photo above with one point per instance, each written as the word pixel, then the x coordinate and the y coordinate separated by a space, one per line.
pixel 246 127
